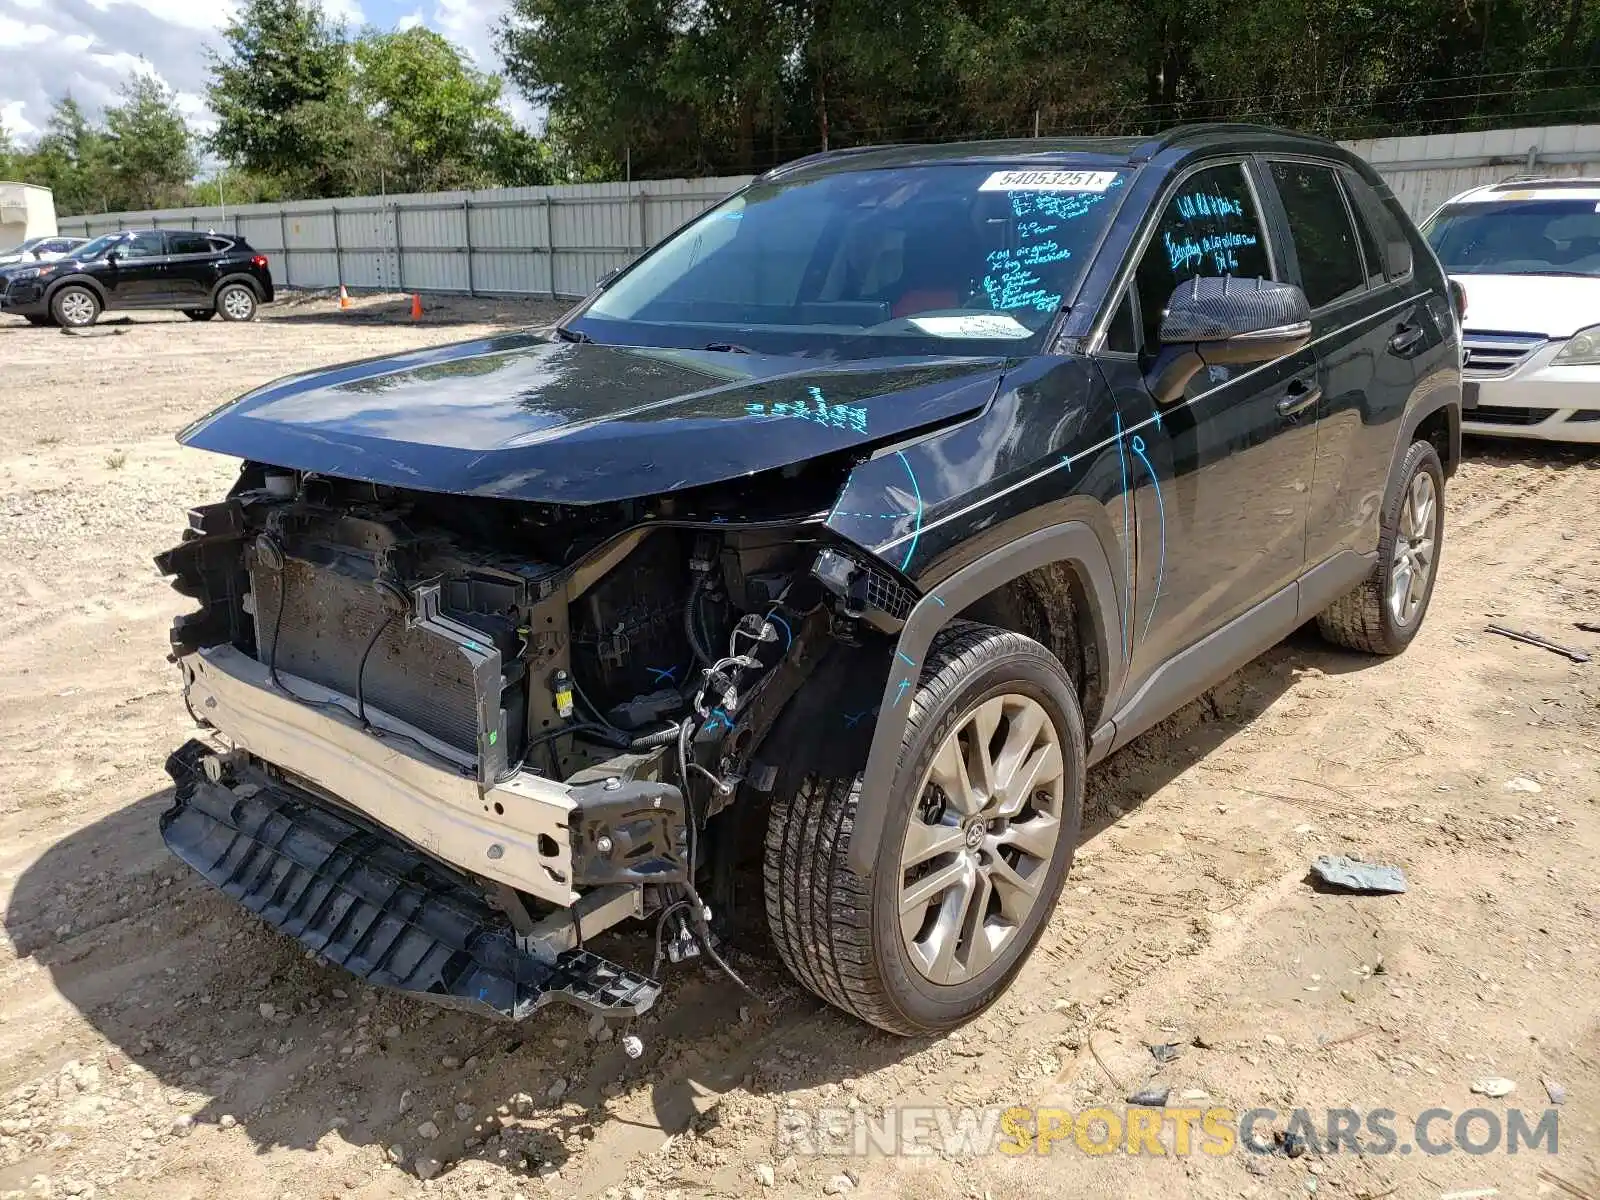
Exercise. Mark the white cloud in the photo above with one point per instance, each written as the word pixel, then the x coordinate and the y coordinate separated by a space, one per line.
pixel 345 12
pixel 12 120
pixel 14 35
pixel 89 48
pixel 472 24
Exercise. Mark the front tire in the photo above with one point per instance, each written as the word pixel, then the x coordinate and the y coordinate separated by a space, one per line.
pixel 75 307
pixel 983 819
pixel 1383 614
pixel 236 302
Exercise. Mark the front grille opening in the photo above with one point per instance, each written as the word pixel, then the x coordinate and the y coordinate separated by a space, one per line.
pixel 1489 414
pixel 1497 353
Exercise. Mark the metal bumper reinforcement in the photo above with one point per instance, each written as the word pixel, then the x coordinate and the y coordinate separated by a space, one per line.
pixel 364 899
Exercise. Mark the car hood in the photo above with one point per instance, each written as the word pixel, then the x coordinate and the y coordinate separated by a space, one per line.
pixel 525 418
pixel 1553 306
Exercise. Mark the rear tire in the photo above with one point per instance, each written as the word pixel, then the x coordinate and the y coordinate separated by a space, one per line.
pixel 199 314
pixel 236 302
pixel 1384 613
pixel 963 881
pixel 75 307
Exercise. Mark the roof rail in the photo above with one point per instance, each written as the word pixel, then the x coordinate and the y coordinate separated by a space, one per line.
pixel 1178 134
pixel 826 156
pixel 1554 182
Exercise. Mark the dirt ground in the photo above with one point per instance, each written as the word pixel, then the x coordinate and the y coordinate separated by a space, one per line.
pixel 156 1042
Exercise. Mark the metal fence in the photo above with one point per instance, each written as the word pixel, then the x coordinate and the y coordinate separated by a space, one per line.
pixel 556 241
pixel 549 241
pixel 1424 172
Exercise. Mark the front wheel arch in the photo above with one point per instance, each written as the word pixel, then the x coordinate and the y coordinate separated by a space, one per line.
pixel 83 281
pixel 1072 542
pixel 843 934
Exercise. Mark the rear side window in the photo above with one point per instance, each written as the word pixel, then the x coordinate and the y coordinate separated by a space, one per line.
pixel 1209 227
pixel 1385 225
pixel 1324 242
pixel 1370 254
pixel 221 245
pixel 188 243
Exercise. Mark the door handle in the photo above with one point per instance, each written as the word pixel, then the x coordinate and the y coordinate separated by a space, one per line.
pixel 1298 397
pixel 1405 339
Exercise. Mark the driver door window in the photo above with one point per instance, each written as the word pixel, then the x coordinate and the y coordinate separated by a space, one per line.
pixel 1211 226
pixel 143 245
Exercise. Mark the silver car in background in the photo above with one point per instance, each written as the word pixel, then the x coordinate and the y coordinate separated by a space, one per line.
pixel 1527 254
pixel 40 249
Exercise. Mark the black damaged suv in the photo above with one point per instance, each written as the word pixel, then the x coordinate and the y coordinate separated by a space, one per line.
pixel 840 534
pixel 200 274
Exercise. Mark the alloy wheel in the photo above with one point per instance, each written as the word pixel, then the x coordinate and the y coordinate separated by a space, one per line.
pixel 77 308
pixel 1411 566
pixel 981 838
pixel 238 304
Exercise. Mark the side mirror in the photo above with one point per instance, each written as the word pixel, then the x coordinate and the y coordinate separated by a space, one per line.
pixel 1215 320
pixel 112 256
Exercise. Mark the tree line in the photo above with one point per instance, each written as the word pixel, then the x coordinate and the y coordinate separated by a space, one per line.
pixel 658 88
pixel 680 87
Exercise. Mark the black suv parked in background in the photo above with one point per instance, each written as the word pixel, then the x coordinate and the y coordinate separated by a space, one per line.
pixel 199 273
pixel 844 531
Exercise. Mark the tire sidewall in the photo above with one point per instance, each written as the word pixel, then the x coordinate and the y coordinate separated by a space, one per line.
pixel 1421 457
pixel 222 297
pixel 938 1006
pixel 70 289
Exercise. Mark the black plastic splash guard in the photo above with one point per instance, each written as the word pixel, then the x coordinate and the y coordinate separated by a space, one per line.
pixel 364 899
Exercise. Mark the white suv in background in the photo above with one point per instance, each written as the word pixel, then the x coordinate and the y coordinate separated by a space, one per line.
pixel 1527 254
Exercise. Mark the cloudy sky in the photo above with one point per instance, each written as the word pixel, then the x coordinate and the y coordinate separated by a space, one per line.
pixel 88 47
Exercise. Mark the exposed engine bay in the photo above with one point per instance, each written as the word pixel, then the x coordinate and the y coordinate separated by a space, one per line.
pixel 546 704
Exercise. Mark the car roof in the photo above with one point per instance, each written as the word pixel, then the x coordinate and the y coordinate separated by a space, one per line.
pixel 1530 187
pixel 1061 151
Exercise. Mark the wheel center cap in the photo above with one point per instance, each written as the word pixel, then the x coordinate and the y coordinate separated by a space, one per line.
pixel 975 832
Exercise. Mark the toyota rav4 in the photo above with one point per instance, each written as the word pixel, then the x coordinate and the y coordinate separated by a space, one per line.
pixel 845 530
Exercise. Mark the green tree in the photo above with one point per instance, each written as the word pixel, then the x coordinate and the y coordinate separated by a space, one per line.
pixel 281 90
pixel 435 122
pixel 151 150
pixel 600 66
pixel 72 159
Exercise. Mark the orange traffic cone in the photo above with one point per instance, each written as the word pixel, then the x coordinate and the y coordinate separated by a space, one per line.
pixel 416 306
pixel 344 297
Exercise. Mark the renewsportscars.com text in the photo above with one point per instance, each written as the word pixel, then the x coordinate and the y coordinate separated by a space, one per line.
pixel 1016 1130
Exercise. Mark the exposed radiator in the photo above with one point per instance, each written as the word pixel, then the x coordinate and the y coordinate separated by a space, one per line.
pixel 426 668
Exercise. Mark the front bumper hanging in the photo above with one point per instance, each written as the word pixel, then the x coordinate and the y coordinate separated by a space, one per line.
pixel 362 898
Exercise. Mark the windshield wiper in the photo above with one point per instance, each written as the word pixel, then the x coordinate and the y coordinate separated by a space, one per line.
pixel 728 348
pixel 573 335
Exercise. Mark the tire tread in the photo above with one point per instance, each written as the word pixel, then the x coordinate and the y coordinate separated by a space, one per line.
pixel 819 910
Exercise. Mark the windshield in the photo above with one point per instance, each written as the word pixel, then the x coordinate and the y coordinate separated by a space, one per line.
pixel 98 247
pixel 1518 237
pixel 945 259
